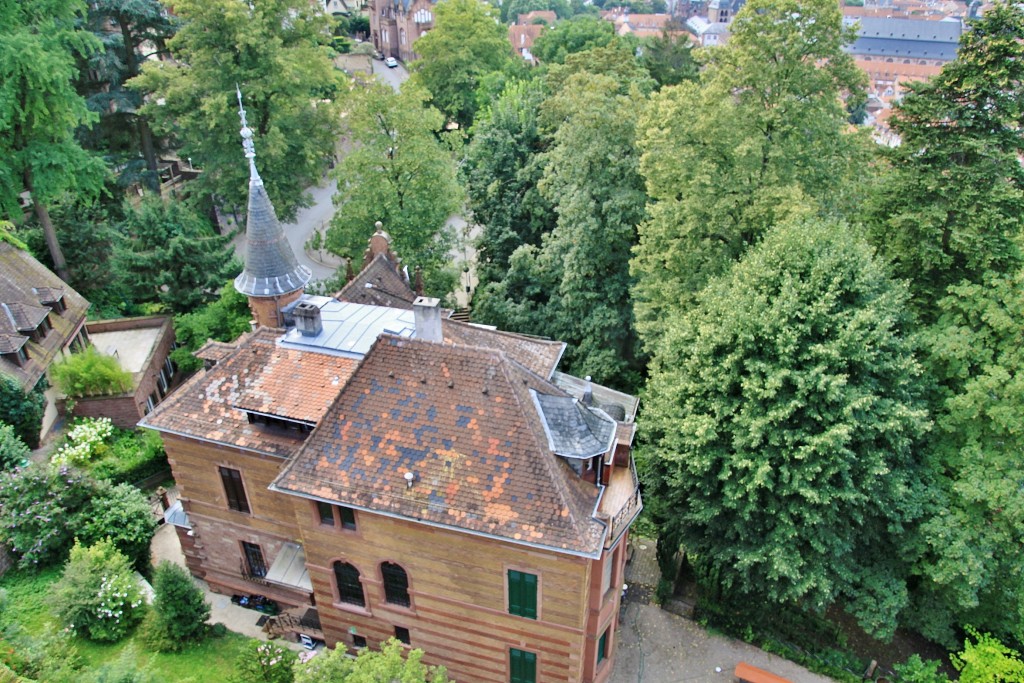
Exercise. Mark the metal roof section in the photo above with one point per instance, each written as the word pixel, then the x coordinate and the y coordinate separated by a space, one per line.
pixel 573 430
pixel 271 268
pixel 350 329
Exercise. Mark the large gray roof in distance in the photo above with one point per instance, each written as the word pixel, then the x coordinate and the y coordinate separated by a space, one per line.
pixel 906 38
pixel 270 265
pixel 573 430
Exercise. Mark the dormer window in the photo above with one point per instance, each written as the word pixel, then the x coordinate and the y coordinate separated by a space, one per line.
pixel 280 423
pixel 18 356
pixel 52 297
pixel 42 329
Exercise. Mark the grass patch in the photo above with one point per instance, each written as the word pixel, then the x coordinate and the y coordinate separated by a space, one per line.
pixel 28 606
pixel 28 598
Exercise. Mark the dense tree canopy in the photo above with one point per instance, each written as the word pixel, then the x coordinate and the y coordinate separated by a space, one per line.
pixel 502 169
pixel 174 256
pixel 579 34
pixel 276 52
pixel 952 205
pixel 465 45
pixel 729 156
pixel 401 174
pixel 40 110
pixel 574 285
pixel 781 420
pixel 121 132
pixel 974 567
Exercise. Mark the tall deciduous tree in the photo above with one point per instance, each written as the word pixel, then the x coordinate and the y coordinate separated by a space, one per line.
pixel 579 34
pixel 974 570
pixel 782 414
pixel 952 206
pixel 502 169
pixel 401 174
pixel 466 44
pixel 729 156
pixel 591 178
pixel 277 52
pixel 40 110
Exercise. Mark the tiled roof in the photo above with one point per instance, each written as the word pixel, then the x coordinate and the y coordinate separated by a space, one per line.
pixel 547 15
pixel 261 376
pixel 462 421
pixel 24 284
pixel 215 351
pixel 538 355
pixel 379 284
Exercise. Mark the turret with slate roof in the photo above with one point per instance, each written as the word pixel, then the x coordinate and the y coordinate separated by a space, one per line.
pixel 272 277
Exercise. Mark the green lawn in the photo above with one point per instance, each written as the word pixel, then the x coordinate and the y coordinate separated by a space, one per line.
pixel 28 606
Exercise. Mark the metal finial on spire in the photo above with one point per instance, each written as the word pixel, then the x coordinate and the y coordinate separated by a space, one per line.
pixel 247 144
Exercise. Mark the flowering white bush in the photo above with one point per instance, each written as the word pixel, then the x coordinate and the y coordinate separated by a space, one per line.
pixel 98 597
pixel 83 441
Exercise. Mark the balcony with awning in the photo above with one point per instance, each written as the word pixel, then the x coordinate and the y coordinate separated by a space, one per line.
pixel 289 568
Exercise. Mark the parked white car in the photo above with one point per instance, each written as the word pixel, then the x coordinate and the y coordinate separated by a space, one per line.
pixel 390 62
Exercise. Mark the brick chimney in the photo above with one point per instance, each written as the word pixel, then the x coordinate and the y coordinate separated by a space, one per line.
pixel 307 319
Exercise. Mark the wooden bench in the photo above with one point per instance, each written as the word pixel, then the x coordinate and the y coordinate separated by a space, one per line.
pixel 746 673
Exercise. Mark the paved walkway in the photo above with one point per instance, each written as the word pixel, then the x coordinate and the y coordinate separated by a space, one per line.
pixel 658 647
pixel 165 546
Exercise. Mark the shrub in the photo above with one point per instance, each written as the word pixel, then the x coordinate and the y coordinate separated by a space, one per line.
pixel 90 373
pixel 223 320
pixel 84 441
pixel 50 656
pixel 260 662
pixel 13 450
pixel 179 611
pixel 123 670
pixel 22 410
pixel 122 514
pixel 917 670
pixel 40 510
pixel 97 596
pixel 133 456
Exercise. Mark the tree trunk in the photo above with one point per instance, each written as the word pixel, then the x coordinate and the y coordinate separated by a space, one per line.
pixel 48 231
pixel 131 61
pixel 146 138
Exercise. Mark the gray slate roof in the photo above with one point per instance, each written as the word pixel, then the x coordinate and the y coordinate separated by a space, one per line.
pixel 270 265
pixel 573 430
pixel 907 38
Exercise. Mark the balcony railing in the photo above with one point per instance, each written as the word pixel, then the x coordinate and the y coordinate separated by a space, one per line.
pixel 621 501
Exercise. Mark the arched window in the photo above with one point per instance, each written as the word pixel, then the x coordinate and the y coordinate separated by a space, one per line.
pixel 350 589
pixel 396 584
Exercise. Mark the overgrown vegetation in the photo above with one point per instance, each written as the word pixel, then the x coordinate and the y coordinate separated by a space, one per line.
pixel 90 373
pixel 43 509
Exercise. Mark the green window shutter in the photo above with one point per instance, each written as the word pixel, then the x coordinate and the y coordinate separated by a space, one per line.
pixel 602 647
pixel 515 600
pixel 522 666
pixel 522 594
pixel 529 596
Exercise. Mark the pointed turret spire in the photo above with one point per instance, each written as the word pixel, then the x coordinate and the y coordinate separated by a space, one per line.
pixel 272 276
